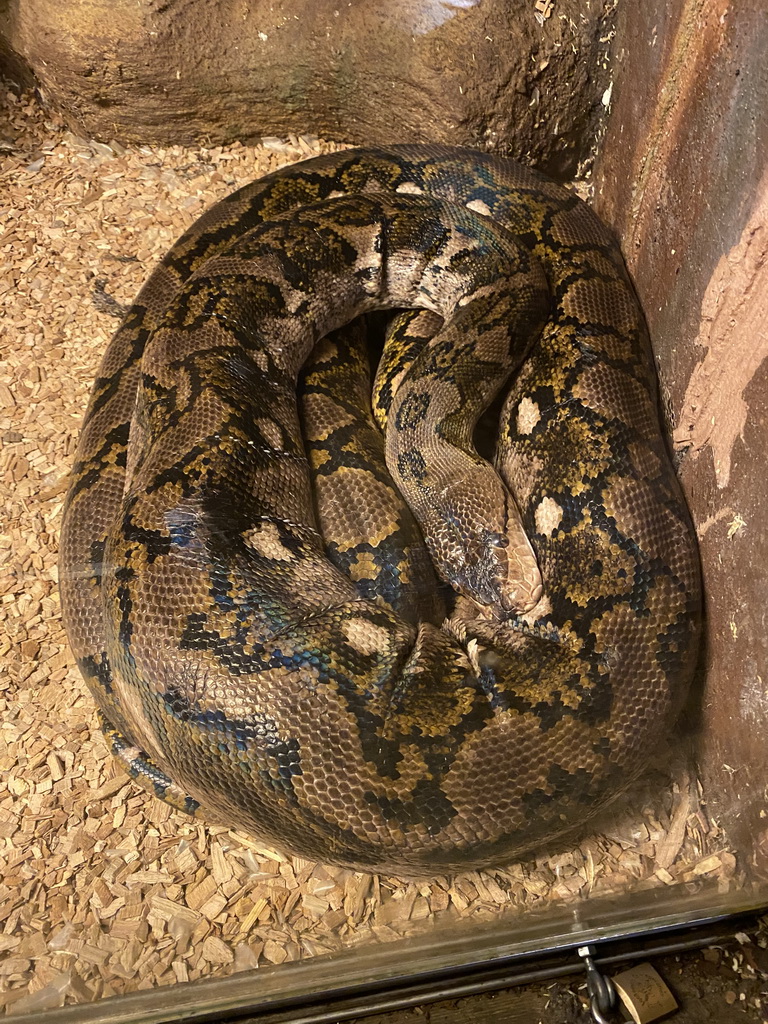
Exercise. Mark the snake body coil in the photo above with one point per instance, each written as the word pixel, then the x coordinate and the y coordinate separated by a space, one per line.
pixel 244 587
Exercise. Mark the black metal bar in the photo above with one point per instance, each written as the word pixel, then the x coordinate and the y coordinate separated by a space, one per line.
pixel 337 1007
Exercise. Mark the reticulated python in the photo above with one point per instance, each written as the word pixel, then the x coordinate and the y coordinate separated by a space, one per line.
pixel 247 592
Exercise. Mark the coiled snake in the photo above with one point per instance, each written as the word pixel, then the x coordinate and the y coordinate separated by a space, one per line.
pixel 245 589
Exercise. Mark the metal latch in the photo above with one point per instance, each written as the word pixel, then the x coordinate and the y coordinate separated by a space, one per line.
pixel 602 994
pixel 641 991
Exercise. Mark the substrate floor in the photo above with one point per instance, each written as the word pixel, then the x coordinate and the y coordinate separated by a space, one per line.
pixel 102 890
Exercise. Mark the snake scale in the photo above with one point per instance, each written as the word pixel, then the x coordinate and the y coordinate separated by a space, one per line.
pixel 244 581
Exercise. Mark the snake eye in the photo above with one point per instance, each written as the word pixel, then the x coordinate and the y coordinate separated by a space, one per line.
pixel 496 540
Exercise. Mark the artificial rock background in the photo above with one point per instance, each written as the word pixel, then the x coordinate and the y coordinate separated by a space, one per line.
pixel 522 78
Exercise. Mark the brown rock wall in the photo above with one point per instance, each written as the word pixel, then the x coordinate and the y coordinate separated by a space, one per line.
pixel 683 176
pixel 479 72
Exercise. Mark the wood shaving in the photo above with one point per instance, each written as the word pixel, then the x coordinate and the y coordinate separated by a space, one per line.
pixel 104 891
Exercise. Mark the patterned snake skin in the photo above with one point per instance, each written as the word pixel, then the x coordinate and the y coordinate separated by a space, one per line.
pixel 244 587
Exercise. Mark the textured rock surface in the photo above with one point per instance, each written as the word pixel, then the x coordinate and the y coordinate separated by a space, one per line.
pixel 478 72
pixel 683 177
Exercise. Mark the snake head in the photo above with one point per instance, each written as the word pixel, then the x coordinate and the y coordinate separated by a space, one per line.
pixel 479 546
pixel 493 580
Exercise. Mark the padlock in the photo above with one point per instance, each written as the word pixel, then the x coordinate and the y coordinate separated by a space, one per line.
pixel 643 994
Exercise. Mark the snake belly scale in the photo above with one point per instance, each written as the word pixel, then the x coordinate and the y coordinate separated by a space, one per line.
pixel 244 581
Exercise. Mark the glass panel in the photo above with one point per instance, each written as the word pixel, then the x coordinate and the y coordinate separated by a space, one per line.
pixel 105 892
